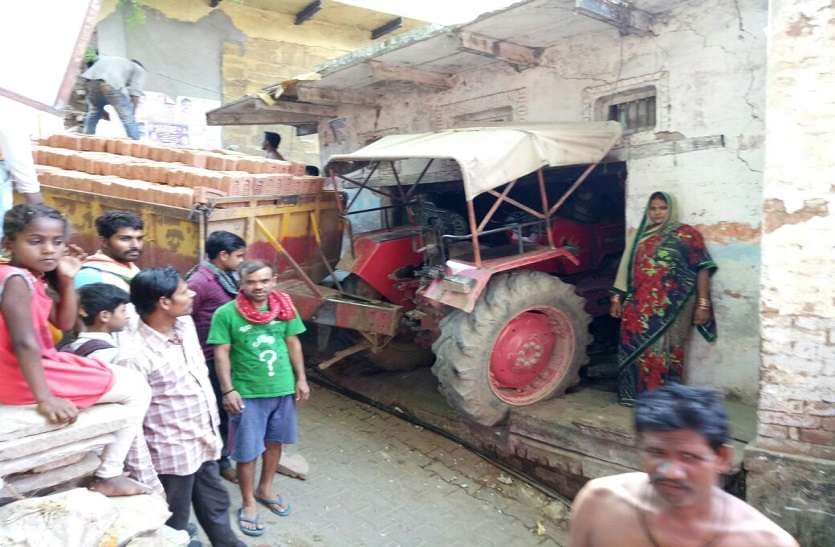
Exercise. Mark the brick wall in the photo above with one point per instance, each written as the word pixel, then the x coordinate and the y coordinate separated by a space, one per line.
pixel 797 405
pixel 791 464
pixel 249 66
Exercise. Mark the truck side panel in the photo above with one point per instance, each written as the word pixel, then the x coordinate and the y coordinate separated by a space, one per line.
pixel 176 236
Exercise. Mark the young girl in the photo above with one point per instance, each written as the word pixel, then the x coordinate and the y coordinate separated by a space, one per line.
pixel 33 372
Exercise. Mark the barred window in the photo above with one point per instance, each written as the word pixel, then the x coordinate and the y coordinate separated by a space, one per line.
pixel 636 111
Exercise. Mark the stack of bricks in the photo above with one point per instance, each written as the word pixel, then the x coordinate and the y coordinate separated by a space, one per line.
pixel 164 175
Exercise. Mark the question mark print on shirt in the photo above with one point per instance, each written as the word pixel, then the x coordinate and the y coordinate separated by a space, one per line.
pixel 267 356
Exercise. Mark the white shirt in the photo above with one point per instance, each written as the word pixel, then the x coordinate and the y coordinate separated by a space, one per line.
pixel 119 73
pixel 107 355
pixel 16 148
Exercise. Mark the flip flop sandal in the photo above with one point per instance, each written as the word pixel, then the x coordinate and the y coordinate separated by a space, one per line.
pixel 251 532
pixel 274 505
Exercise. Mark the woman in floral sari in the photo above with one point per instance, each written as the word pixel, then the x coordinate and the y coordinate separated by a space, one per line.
pixel 662 289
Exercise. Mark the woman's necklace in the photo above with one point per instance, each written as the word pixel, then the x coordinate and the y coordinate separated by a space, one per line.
pixel 642 517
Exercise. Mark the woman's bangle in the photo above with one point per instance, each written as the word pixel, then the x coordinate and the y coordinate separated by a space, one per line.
pixel 228 392
pixel 615 298
pixel 703 302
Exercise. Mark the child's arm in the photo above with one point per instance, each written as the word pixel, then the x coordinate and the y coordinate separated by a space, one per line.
pixel 17 312
pixel 232 401
pixel 294 348
pixel 65 313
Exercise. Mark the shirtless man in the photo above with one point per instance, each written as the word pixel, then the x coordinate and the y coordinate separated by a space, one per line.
pixel 676 501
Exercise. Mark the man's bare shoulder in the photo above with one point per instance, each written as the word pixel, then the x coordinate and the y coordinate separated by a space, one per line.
pixel 625 487
pixel 750 527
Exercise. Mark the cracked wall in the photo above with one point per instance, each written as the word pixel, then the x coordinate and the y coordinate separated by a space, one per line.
pixel 791 463
pixel 707 60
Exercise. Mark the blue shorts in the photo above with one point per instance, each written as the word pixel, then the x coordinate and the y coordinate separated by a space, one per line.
pixel 264 420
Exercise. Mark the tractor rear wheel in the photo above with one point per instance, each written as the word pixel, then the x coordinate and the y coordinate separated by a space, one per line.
pixel 525 341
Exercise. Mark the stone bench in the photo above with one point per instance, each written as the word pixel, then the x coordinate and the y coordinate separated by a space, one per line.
pixel 36 455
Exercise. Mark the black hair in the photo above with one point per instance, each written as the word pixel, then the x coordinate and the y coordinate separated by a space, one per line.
pixel 98 297
pixel 138 63
pixel 252 266
pixel 148 286
pixel 273 138
pixel 113 221
pixel 222 240
pixel 658 195
pixel 674 407
pixel 311 170
pixel 20 216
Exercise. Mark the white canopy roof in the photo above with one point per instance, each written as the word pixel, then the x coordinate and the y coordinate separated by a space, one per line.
pixel 495 154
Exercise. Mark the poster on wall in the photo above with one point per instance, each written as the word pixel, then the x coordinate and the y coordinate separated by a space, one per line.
pixel 179 121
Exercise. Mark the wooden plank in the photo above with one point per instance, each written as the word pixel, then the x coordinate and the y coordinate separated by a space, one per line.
pixel 666 148
pixel 513 54
pixel 385 72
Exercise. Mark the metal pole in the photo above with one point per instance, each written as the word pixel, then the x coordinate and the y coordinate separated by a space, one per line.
pixel 544 196
pixel 495 206
pixel 420 178
pixel 574 187
pixel 293 264
pixel 474 233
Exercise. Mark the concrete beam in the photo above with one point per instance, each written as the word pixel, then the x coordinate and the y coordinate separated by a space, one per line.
pixel 521 57
pixel 259 117
pixel 291 107
pixel 333 96
pixel 666 148
pixel 618 13
pixel 398 73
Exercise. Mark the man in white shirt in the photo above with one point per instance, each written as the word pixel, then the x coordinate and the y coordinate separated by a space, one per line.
pixel 17 168
pixel 118 82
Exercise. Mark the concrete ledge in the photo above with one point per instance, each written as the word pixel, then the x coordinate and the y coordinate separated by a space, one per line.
pixel 797 492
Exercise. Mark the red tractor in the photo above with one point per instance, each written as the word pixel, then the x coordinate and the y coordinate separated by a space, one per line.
pixel 490 274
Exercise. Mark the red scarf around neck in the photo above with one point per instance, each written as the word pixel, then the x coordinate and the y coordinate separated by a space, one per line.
pixel 279 306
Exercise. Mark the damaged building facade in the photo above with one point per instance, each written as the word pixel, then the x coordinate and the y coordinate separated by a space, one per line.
pixel 722 106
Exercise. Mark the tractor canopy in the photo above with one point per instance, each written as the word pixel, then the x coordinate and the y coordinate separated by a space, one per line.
pixel 491 155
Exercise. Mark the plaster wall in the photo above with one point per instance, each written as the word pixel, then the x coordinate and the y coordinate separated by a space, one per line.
pixel 792 461
pixel 225 53
pixel 707 62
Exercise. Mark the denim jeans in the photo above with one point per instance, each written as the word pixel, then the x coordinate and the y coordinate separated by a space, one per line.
pixel 100 94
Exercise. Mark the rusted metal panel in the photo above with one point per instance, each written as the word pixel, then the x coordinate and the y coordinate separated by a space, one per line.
pixel 175 236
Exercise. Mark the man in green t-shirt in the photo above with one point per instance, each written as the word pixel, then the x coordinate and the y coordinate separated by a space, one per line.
pixel 260 367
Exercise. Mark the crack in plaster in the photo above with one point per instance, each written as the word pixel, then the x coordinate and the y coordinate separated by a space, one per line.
pixel 745 162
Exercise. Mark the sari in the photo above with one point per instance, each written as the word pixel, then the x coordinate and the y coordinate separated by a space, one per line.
pixel 657 283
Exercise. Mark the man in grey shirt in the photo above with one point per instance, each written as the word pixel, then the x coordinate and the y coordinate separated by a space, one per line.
pixel 116 81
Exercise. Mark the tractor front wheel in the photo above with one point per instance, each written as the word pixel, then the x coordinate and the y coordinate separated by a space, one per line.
pixel 525 341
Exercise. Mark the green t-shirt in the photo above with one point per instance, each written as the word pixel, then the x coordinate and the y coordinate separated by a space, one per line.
pixel 261 365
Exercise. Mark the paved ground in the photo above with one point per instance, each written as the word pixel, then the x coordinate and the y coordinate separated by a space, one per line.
pixel 378 480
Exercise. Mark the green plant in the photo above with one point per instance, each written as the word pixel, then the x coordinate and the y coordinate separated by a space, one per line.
pixel 132 12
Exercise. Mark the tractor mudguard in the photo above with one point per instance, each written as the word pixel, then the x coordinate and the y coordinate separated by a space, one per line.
pixel 463 282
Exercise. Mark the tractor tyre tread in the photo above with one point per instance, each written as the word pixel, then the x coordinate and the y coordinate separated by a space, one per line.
pixel 463 350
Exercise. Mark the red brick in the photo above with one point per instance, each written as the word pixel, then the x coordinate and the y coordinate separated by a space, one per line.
pixel 820 408
pixel 817 436
pixel 784 418
pixel 774 431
